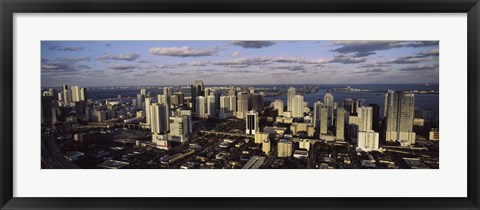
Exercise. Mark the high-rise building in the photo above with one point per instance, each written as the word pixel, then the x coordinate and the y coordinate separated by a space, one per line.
pixel 257 102
pixel 348 105
pixel 196 89
pixel 225 110
pixel 201 107
pixel 266 146
pixel 65 95
pixel 148 111
pixel 159 118
pixel 187 113
pixel 242 105
pixel 278 105
pixel 285 148
pixel 366 115
pixel 368 140
pixel 179 129
pixel 324 120
pixel 251 123
pixel 399 117
pixel 297 106
pixel 316 115
pixel 211 107
pixel 340 124
pixel 290 94
pixel 167 91
pixel 375 117
pixel 260 136
pixel 359 103
pixel 140 100
pixel 328 101
pixel 77 93
pixel 233 103
pixel 143 91
pixel 47 106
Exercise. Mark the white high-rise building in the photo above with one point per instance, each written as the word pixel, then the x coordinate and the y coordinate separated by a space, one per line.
pixel 290 94
pixel 368 140
pixel 159 118
pixel 143 91
pixel 211 106
pixel 77 93
pixel 148 111
pixel 140 100
pixel 225 107
pixel 297 106
pixel 285 148
pixel 233 103
pixel 324 120
pixel 340 127
pixel 251 123
pixel 179 129
pixel 201 107
pixel 242 105
pixel 366 115
pixel 278 105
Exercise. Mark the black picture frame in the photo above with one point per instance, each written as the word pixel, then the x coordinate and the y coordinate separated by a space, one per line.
pixel 10 7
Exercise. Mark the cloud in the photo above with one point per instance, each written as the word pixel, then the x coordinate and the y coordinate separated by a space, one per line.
pixel 56 47
pixel 434 52
pixel 253 44
pixel 364 48
pixel 183 51
pixel 235 54
pixel 122 67
pixel 373 71
pixel 422 67
pixel 244 62
pixel 125 57
pixel 345 59
pixel 289 67
pixel 374 65
pixel 75 59
pixel 199 63
pixel 406 60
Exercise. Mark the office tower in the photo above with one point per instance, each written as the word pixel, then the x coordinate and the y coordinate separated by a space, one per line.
pixel 217 95
pixel 77 93
pixel 211 106
pixel 278 105
pixel 242 105
pixel 163 99
pixel 143 91
pixel 65 95
pixel 375 117
pixel 316 115
pixel 196 90
pixel 290 94
pixel 348 105
pixel 233 103
pixel 257 102
pixel 284 148
pixel 368 140
pixel 399 117
pixel 366 115
pixel 266 146
pixel 187 113
pixel 251 123
pixel 140 100
pixel 359 103
pixel 181 98
pixel 340 124
pixel 232 91
pixel 47 106
pixel 179 129
pixel 328 101
pixel 323 119
pixel 260 136
pixel 200 108
pixel 159 118
pixel 174 100
pixel 225 104
pixel 167 91
pixel 207 92
pixel 51 92
pixel 297 106
pixel 148 102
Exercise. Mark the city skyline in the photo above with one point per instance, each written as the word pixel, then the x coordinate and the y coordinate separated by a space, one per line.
pixel 159 63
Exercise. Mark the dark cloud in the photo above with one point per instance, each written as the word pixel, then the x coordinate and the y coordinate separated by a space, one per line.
pixel 374 65
pixel 56 47
pixel 433 52
pixel 364 48
pixel 289 67
pixel 345 59
pixel 125 57
pixel 406 60
pixel 244 62
pixel 122 67
pixel 253 44
pixel 373 71
pixel 75 59
pixel 183 51
pixel 422 67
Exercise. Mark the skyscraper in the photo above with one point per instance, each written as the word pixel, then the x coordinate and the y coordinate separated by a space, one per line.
pixel 290 94
pixel 140 100
pixel 148 111
pixel 143 91
pixel 297 106
pixel 375 117
pixel 251 123
pixel 324 120
pixel 257 102
pixel 242 105
pixel 366 115
pixel 200 108
pixel 340 128
pixel 211 106
pixel 159 118
pixel 278 105
pixel 328 101
pixel 285 148
pixel 316 115
pixel 179 129
pixel 196 90
pixel 233 103
pixel 77 93
pixel 348 105
pixel 399 117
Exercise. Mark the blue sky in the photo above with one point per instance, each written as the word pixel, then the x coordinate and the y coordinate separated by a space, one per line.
pixel 119 63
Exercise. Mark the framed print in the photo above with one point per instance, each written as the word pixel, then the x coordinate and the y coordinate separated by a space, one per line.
pixel 268 104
